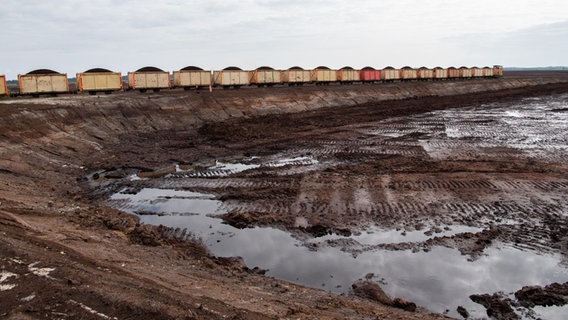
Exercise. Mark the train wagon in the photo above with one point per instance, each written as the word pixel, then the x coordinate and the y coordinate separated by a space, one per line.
pixel 465 72
pixel 348 75
pixel 296 76
pixel 192 77
pixel 487 72
pixel 453 73
pixel 3 85
pixel 408 73
pixel 425 74
pixel 390 74
pixel 476 72
pixel 323 75
pixel 440 73
pixel 231 77
pixel 99 80
pixel 369 75
pixel 43 81
pixel 149 78
pixel 265 76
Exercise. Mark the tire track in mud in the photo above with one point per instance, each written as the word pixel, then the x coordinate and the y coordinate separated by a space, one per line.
pixel 503 185
pixel 327 152
pixel 404 214
pixel 446 135
pixel 437 184
pixel 366 146
pixel 537 134
pixel 219 184
pixel 533 185
pixel 549 235
pixel 217 180
pixel 498 200
pixel 457 211
pixel 400 212
pixel 472 191
pixel 213 172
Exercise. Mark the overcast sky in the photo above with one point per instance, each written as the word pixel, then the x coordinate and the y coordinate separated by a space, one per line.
pixel 72 36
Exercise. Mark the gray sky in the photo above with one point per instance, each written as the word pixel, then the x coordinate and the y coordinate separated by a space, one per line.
pixel 73 36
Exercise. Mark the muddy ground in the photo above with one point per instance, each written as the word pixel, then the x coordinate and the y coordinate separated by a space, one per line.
pixel 65 254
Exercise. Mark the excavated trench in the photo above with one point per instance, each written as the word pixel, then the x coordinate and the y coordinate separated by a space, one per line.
pixel 435 195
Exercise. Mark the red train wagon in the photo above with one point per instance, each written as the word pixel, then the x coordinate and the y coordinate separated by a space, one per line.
pixel 370 74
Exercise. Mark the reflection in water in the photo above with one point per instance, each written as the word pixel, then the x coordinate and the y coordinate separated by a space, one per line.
pixel 375 236
pixel 439 280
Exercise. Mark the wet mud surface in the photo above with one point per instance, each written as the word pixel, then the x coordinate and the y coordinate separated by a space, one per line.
pixel 497 168
pixel 458 178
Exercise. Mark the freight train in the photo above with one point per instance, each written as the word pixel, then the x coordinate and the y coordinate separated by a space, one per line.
pixel 97 80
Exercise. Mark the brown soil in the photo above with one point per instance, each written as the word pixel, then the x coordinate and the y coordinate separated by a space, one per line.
pixel 65 254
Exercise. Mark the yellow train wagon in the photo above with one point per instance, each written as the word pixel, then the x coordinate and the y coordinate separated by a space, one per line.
pixel 390 74
pixel 425 74
pixel 323 75
pixel 487 72
pixel 231 77
pixel 99 80
pixel 296 76
pixel 265 76
pixel 453 73
pixel 476 72
pixel 43 81
pixel 440 73
pixel 3 85
pixel 149 78
pixel 192 77
pixel 465 73
pixel 348 75
pixel 408 73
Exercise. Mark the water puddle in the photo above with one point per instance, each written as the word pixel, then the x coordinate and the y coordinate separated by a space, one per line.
pixel 440 280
